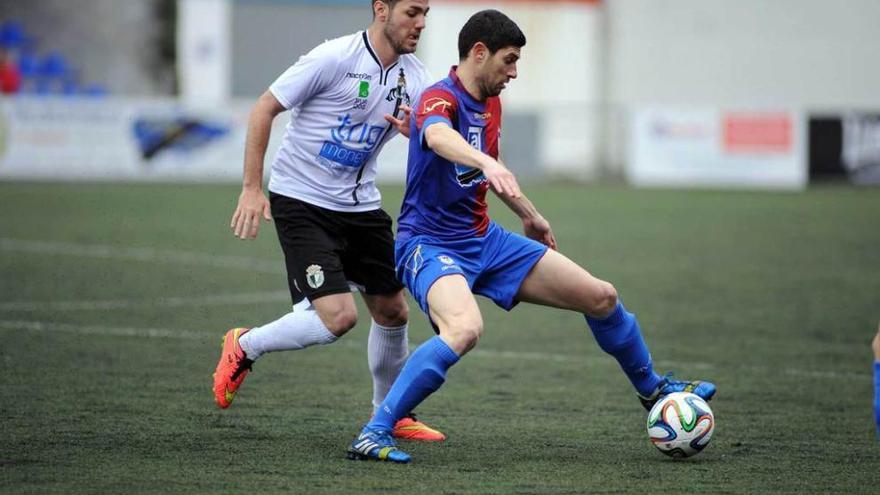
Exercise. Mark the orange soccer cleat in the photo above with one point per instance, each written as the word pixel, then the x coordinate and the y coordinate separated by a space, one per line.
pixel 410 428
pixel 232 368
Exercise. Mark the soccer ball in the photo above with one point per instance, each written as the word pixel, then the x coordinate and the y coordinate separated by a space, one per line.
pixel 681 424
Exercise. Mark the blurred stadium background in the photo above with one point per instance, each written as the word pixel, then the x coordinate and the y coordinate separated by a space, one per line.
pixel 708 93
pixel 715 159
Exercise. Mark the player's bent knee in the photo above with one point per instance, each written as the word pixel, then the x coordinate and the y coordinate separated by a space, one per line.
pixel 603 301
pixel 393 315
pixel 463 338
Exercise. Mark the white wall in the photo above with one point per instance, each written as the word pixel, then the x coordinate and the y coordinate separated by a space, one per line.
pixel 800 55
pixel 560 74
pixel 203 50
pixel 794 53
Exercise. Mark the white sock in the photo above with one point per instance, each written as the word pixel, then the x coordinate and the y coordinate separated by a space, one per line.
pixel 296 330
pixel 387 351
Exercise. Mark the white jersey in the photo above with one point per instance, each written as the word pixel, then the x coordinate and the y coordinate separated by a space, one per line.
pixel 338 95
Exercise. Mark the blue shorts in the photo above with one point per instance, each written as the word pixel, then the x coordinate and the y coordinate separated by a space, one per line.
pixel 494 265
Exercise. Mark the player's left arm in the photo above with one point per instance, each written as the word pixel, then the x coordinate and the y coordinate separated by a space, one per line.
pixel 535 226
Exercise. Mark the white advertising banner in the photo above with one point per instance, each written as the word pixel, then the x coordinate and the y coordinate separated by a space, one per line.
pixel 563 87
pixel 717 148
pixel 123 139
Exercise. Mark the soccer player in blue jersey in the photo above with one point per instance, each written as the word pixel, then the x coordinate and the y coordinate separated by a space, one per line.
pixel 875 345
pixel 447 248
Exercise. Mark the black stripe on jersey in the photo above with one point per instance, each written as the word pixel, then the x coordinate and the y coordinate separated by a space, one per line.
pixel 400 91
pixel 354 193
pixel 373 54
pixel 383 76
pixel 387 72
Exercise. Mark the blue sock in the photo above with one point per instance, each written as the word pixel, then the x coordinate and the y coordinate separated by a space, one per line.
pixel 421 376
pixel 619 334
pixel 877 395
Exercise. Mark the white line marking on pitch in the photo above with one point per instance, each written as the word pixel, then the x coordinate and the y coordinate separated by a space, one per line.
pixel 162 302
pixel 141 254
pixel 164 333
pixel 41 326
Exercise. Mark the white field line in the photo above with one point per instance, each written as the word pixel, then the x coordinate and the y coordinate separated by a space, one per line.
pixel 142 254
pixel 151 333
pixel 163 302
pixel 164 333
pixel 242 262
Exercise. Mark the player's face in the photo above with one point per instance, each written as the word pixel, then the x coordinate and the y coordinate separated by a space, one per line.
pixel 405 23
pixel 498 70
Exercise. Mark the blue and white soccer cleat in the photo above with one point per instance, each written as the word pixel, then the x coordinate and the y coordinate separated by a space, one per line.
pixel 705 390
pixel 376 445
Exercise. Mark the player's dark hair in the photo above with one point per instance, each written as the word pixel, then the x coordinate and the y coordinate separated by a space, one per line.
pixel 493 29
pixel 390 3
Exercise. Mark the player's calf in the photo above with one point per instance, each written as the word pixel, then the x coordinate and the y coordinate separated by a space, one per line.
pixel 619 335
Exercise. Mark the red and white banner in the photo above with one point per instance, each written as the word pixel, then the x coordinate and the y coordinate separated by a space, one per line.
pixel 710 147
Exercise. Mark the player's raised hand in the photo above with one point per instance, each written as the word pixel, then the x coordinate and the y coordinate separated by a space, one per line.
pixel 502 180
pixel 402 124
pixel 252 204
pixel 539 229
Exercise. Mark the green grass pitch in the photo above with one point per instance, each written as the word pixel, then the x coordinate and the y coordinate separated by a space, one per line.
pixel 113 299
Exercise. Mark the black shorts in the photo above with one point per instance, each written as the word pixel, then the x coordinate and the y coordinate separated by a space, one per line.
pixel 324 249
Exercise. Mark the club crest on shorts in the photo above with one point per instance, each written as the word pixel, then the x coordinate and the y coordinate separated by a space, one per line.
pixel 315 276
pixel 446 260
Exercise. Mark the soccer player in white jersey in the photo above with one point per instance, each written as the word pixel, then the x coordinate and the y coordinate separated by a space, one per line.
pixel 347 98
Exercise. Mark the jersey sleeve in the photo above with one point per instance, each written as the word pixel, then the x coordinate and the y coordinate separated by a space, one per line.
pixel 308 76
pixel 436 105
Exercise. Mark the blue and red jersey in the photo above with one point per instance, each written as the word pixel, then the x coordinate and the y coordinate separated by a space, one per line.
pixel 443 199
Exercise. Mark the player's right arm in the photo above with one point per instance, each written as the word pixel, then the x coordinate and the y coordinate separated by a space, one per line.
pixel 434 122
pixel 449 144
pixel 252 203
pixel 310 75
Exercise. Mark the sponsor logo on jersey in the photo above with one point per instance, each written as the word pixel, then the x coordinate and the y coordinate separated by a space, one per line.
pixel 483 116
pixel 360 103
pixel 468 176
pixel 359 75
pixel 351 143
pixel 315 276
pixel 475 137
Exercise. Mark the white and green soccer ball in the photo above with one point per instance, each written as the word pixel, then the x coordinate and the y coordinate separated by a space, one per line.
pixel 680 424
